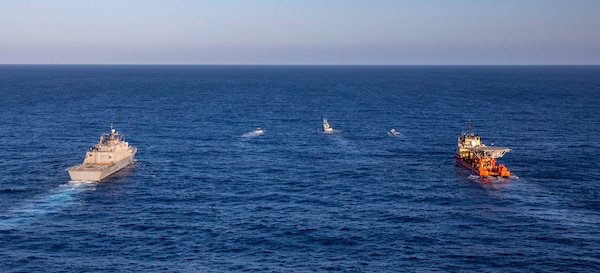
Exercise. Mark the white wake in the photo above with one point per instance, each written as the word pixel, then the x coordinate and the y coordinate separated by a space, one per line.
pixel 53 201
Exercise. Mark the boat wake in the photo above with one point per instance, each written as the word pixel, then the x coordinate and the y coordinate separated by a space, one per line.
pixel 491 178
pixel 473 177
pixel 333 131
pixel 344 145
pixel 250 134
pixel 54 201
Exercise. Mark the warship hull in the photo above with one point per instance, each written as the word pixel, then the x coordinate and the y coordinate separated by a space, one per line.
pixel 97 172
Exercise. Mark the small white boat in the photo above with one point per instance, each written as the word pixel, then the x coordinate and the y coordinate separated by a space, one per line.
pixel 393 132
pixel 254 133
pixel 326 127
pixel 258 131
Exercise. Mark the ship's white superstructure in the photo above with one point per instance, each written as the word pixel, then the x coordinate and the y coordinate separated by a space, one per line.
pixel 326 127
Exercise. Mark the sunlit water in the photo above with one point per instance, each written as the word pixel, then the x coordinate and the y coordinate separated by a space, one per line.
pixel 207 195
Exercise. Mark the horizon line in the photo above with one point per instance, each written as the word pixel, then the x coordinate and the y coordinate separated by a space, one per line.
pixel 243 64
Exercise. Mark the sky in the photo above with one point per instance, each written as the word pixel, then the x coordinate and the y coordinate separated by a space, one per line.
pixel 343 32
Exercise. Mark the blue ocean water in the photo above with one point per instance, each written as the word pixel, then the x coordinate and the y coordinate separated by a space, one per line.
pixel 203 196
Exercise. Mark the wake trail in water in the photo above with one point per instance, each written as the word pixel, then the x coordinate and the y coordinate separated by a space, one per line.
pixel 54 201
pixel 250 135
pixel 548 206
pixel 538 202
pixel 342 143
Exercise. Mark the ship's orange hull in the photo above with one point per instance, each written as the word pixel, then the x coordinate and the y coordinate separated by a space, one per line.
pixel 475 166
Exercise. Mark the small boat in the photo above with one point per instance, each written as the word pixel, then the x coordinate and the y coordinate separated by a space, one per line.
pixel 393 132
pixel 108 156
pixel 254 133
pixel 326 127
pixel 478 158
pixel 258 131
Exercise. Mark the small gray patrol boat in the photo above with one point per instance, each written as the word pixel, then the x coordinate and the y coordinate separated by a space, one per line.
pixel 103 159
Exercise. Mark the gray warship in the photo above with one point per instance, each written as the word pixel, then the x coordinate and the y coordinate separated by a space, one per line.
pixel 103 159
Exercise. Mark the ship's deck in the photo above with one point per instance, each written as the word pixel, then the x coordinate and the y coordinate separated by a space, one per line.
pixel 87 167
pixel 489 151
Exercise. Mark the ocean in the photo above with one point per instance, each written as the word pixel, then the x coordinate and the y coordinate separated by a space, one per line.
pixel 205 196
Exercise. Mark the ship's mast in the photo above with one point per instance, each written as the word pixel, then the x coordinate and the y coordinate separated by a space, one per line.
pixel 468 127
pixel 112 132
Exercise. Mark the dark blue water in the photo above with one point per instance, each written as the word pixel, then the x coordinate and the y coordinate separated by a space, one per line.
pixel 202 197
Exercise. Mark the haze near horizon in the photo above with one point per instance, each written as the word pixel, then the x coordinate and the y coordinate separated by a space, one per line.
pixel 300 32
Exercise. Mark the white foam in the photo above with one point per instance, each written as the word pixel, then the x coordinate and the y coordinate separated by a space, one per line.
pixel 252 134
pixel 42 205
pixel 491 178
pixel 333 131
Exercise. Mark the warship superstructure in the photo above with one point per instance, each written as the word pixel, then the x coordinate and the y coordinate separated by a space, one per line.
pixel 108 156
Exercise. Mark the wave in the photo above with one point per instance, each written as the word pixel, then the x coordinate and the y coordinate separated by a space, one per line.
pixel 12 190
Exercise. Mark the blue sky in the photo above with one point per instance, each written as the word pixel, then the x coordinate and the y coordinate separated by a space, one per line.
pixel 299 32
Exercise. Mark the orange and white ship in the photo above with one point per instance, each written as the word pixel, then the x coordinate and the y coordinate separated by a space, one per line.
pixel 478 158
